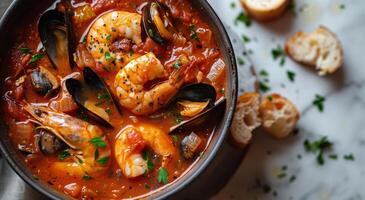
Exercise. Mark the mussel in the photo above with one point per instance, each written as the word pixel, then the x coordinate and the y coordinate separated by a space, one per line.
pixel 49 143
pixel 44 82
pixel 189 145
pixel 90 94
pixel 157 22
pixel 55 31
pixel 213 113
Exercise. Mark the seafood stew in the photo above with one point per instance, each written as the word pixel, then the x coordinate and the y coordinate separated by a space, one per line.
pixel 94 119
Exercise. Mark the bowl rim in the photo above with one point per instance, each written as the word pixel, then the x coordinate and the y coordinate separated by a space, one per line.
pixel 170 190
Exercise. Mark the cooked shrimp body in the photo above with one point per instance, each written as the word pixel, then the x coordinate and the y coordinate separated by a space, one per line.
pixel 77 134
pixel 132 140
pixel 130 80
pixel 107 29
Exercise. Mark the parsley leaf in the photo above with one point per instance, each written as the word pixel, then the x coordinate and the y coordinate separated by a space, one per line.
pixel 98 142
pixel 242 17
pixel 319 102
pixel 233 5
pixel 291 75
pixel 64 155
pixel 147 158
pixel 246 39
pixel 108 37
pixel 264 73
pixel 151 33
pixel 349 157
pixel 103 160
pixel 175 139
pixel 240 61
pixel 163 176
pixel 264 87
pixel 25 50
pixel 87 177
pixel 319 147
pixel 35 58
pixel 109 57
pixel 279 53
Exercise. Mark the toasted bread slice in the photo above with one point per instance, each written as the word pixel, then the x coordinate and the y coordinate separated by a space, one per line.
pixel 246 118
pixel 320 49
pixel 279 116
pixel 264 10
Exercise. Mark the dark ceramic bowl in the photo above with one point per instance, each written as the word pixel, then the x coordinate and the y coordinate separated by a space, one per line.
pixel 204 178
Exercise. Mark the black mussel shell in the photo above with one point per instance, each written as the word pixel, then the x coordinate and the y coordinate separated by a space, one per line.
pixel 44 82
pixel 210 115
pixel 197 93
pixel 55 31
pixel 49 143
pixel 151 28
pixel 81 91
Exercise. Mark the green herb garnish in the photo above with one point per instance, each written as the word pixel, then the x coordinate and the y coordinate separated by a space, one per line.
pixel 175 139
pixel 162 176
pixel 64 155
pixel 242 17
pixel 35 58
pixel 108 37
pixel 151 32
pixel 147 158
pixel 96 154
pixel 104 96
pixel 240 61
pixel 292 178
pixel 109 57
pixel 25 50
pixel 264 73
pixel 319 102
pixel 108 110
pixel 264 87
pixel 279 53
pixel 87 177
pixel 103 160
pixel 246 39
pixel 318 147
pixel 349 157
pixel 291 75
pixel 233 5
pixel 98 142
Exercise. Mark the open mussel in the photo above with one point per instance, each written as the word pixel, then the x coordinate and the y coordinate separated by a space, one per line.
pixel 55 31
pixel 157 22
pixel 91 95
pixel 44 82
pixel 213 113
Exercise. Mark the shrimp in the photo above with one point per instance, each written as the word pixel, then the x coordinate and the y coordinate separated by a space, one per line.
pixel 130 80
pixel 109 28
pixel 130 143
pixel 78 135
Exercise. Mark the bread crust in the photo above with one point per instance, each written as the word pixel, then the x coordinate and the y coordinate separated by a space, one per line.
pixel 320 49
pixel 246 118
pixel 268 11
pixel 279 116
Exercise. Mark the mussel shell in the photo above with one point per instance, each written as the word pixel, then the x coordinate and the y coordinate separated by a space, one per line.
pixel 150 27
pixel 210 115
pixel 54 29
pixel 197 93
pixel 77 90
pixel 44 82
pixel 49 143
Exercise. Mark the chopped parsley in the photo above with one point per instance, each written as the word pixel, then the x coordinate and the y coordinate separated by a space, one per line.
pixel 233 5
pixel 104 96
pixel 175 139
pixel 96 154
pixel 264 87
pixel 194 34
pixel 223 91
pixel 281 175
pixel 147 158
pixel 108 111
pixel 64 155
pixel 98 142
pixel 108 37
pixel 177 64
pixel 240 61
pixel 109 57
pixel 318 147
pixel 349 157
pixel 87 177
pixel 292 178
pixel 279 53
pixel 319 102
pixel 269 98
pixel 264 73
pixel 242 17
pixel 333 156
pixel 151 32
pixel 291 75
pixel 163 176
pixel 25 50
pixel 342 6
pixel 178 117
pixel 35 58
pixel 246 39
pixel 103 160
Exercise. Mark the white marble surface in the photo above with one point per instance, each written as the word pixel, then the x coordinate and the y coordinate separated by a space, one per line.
pixel 342 120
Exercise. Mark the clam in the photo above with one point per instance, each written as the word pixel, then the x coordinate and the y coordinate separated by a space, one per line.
pixel 49 143
pixel 90 94
pixel 213 113
pixel 56 35
pixel 44 82
pixel 157 22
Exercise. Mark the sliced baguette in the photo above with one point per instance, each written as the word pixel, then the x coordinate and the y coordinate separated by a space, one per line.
pixel 320 49
pixel 264 10
pixel 246 118
pixel 279 116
